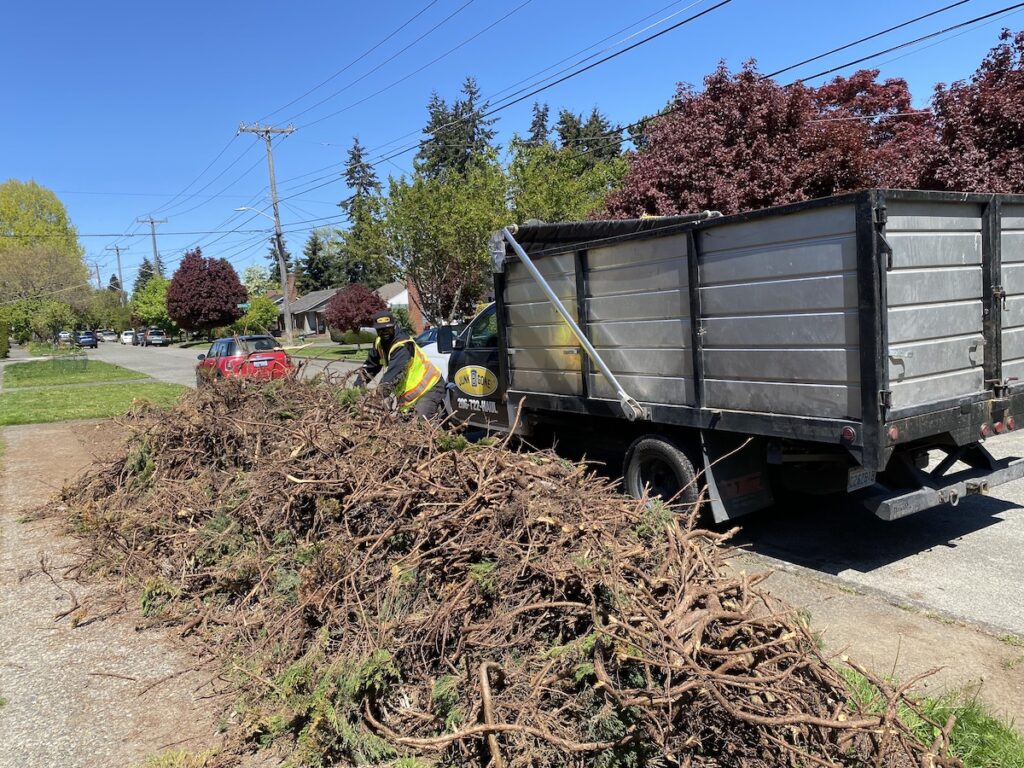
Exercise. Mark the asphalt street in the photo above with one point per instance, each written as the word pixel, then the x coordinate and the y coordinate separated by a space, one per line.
pixel 965 562
pixel 178 366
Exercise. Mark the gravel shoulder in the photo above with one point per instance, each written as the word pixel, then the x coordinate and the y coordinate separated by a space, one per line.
pixel 101 694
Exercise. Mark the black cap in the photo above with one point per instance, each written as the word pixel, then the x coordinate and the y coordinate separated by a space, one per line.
pixel 383 320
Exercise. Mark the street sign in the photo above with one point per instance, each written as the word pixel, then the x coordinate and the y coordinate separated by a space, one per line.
pixel 244 306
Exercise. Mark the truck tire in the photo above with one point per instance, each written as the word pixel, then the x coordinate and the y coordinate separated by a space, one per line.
pixel 655 464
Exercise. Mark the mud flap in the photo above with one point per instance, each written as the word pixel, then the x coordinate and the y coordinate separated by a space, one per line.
pixel 736 470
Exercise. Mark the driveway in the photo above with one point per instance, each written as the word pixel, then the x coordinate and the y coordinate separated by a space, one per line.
pixel 964 562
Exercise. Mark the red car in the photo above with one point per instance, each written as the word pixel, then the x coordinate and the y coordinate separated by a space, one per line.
pixel 257 357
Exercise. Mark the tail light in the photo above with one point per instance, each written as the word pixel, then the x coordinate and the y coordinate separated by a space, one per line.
pixel 998 427
pixel 1010 424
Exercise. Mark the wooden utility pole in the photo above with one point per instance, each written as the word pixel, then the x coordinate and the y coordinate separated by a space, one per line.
pixel 117 249
pixel 152 228
pixel 267 132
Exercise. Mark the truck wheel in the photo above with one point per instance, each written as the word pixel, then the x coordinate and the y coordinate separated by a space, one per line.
pixel 655 465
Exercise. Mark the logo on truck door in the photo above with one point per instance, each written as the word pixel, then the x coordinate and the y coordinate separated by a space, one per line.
pixel 476 380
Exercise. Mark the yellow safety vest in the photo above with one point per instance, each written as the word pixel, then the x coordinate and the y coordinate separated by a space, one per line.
pixel 419 376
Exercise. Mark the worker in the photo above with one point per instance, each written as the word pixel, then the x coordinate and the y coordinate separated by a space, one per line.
pixel 409 375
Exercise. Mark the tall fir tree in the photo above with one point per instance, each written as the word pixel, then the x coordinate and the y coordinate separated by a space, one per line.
pixel 144 275
pixel 457 136
pixel 569 129
pixel 362 257
pixel 598 138
pixel 319 269
pixel 114 284
pixel 158 266
pixel 539 128
pixel 289 263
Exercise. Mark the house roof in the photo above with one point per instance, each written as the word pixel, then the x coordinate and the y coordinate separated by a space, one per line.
pixel 389 291
pixel 313 301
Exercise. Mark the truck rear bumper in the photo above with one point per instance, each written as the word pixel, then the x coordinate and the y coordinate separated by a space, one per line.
pixel 897 504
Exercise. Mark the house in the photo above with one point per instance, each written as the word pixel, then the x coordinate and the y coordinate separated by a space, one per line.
pixel 308 312
pixel 394 294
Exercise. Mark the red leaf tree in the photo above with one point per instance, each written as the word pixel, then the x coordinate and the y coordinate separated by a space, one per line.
pixel 981 123
pixel 204 293
pixel 353 307
pixel 746 142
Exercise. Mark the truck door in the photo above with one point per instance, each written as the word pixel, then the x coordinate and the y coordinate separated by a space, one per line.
pixel 473 374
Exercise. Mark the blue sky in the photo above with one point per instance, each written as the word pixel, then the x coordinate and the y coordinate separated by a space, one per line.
pixel 119 106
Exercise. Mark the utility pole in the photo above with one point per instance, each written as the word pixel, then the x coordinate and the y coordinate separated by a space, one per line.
pixel 267 133
pixel 99 280
pixel 117 249
pixel 152 228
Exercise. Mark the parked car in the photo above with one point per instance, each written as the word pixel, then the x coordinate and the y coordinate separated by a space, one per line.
pixel 64 337
pixel 106 334
pixel 86 339
pixel 128 337
pixel 155 337
pixel 427 341
pixel 258 357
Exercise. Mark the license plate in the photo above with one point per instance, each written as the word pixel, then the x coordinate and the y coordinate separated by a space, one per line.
pixel 260 363
pixel 859 477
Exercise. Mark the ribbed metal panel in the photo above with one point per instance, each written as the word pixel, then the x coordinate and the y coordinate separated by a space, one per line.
pixel 1013 283
pixel 935 310
pixel 779 304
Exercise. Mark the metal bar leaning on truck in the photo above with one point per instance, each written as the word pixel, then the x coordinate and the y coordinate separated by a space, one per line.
pixel 631 409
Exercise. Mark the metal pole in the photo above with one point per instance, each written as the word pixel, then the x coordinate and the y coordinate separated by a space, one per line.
pixel 286 304
pixel 630 407
pixel 152 228
pixel 117 249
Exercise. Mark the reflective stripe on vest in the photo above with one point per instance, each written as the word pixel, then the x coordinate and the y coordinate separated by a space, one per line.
pixel 417 378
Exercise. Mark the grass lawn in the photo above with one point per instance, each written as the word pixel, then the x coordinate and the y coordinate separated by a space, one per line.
pixel 46 373
pixel 330 353
pixel 37 406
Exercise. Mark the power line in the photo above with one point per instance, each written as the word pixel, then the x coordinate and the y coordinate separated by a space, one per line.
pixel 416 71
pixel 864 39
pixel 577 72
pixel 862 59
pixel 380 147
pixel 354 61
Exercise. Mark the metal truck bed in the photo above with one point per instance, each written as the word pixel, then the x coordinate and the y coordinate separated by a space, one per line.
pixel 896 314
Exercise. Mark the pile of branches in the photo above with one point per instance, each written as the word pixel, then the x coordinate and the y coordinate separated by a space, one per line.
pixel 382 591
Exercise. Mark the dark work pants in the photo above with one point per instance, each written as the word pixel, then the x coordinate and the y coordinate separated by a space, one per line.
pixel 431 405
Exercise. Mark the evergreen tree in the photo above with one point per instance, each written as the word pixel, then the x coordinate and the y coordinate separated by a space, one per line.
pixel 539 128
pixel 158 266
pixel 114 284
pixel 362 257
pixel 360 177
pixel 275 272
pixel 569 129
pixel 599 140
pixel 319 269
pixel 143 276
pixel 457 136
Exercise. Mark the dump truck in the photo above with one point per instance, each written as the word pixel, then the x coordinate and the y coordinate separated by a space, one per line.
pixel 868 342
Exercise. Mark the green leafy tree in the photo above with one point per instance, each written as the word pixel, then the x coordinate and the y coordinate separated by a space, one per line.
pixel 104 309
pixel 40 255
pixel 257 282
pixel 149 305
pixel 143 276
pixel 260 317
pixel 51 317
pixel 437 231
pixel 559 184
